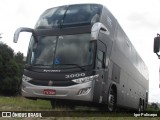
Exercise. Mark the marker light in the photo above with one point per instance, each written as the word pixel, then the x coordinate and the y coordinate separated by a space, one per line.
pixel 26 78
pixel 85 79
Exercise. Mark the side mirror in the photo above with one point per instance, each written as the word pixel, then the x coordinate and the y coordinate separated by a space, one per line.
pixel 156 46
pixel 22 29
pixel 96 28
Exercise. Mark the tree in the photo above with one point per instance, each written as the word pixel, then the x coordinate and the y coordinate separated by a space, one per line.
pixel 19 57
pixel 154 105
pixel 11 70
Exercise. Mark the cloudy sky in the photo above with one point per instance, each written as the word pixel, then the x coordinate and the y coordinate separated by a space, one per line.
pixel 140 19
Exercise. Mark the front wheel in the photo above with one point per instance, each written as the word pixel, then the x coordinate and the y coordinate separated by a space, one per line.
pixel 111 100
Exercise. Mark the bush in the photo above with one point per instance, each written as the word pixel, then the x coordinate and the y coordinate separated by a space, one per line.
pixel 11 70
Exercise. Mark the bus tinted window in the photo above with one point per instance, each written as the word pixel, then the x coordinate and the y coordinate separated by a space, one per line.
pixel 51 17
pixel 82 14
pixel 68 16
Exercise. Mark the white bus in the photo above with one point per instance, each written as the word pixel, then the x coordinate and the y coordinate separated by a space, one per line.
pixel 80 54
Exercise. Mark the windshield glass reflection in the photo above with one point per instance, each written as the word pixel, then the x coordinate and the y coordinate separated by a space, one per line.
pixel 61 51
pixel 68 16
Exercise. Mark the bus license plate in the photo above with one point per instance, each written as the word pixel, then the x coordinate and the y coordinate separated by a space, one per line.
pixel 49 92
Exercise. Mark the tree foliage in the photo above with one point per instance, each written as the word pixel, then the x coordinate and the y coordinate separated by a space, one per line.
pixel 11 70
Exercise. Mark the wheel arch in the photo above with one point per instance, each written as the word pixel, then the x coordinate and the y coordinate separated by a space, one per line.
pixel 114 87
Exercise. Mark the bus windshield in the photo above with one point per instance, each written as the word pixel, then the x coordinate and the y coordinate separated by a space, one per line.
pixel 68 16
pixel 61 51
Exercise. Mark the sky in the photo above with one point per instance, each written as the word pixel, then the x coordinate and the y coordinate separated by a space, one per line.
pixel 140 19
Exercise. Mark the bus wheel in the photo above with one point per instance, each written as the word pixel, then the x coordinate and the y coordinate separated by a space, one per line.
pixel 111 100
pixel 141 107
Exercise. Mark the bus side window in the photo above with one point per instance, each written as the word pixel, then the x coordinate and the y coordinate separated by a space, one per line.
pixel 100 59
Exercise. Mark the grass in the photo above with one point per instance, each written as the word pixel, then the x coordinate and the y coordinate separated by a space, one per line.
pixel 22 104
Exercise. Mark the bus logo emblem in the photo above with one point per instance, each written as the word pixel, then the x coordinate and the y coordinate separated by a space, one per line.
pixel 50 83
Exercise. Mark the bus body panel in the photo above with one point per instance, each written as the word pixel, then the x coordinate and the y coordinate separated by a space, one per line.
pixel 133 83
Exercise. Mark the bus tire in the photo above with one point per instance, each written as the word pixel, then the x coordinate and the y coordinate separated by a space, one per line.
pixel 111 106
pixel 141 106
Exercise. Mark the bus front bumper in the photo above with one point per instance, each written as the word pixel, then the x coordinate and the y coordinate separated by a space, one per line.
pixel 82 92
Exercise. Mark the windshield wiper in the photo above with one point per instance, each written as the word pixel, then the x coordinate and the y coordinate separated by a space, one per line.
pixel 74 65
pixel 38 65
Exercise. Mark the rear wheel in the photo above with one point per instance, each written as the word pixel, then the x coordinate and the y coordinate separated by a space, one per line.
pixel 141 107
pixel 111 100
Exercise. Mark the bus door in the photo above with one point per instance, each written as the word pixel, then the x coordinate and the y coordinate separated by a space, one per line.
pixel 100 69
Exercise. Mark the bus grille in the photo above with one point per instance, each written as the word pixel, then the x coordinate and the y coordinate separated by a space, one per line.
pixel 52 82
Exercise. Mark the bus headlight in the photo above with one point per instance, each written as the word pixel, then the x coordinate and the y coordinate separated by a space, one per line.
pixel 26 78
pixel 85 79
pixel 84 91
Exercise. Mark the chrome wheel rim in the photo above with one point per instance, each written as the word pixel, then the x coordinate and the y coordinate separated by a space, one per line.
pixel 111 101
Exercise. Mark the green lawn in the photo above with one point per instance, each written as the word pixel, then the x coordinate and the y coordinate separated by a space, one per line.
pixel 22 104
